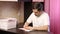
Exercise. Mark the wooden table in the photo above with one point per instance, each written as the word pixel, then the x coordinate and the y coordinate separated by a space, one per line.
pixel 18 31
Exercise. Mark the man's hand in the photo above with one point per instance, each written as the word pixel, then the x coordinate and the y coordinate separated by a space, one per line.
pixel 29 28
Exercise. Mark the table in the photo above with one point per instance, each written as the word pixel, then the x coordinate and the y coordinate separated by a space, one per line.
pixel 18 31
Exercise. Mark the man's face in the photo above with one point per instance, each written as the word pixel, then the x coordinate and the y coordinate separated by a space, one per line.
pixel 36 12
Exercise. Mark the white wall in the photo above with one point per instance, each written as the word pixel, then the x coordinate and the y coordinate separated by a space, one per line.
pixel 8 0
pixel 38 0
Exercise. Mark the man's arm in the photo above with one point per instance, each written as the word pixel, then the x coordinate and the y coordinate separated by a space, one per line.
pixel 35 28
pixel 41 28
pixel 26 25
pixel 29 20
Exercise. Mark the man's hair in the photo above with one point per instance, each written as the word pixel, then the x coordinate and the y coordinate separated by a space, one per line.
pixel 38 6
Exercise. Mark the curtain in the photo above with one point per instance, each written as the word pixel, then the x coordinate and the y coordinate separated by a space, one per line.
pixel 52 7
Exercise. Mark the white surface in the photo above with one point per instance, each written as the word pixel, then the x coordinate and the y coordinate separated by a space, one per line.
pixel 8 23
pixel 38 0
pixel 25 29
pixel 8 0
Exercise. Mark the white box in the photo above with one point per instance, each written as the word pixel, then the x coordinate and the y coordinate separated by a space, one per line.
pixel 8 23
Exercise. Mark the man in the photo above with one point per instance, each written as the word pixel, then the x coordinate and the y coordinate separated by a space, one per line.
pixel 39 18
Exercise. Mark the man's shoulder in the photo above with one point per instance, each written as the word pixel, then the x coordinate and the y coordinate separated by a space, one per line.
pixel 45 13
pixel 32 13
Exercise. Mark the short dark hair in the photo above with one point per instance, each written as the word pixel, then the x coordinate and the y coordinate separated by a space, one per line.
pixel 38 6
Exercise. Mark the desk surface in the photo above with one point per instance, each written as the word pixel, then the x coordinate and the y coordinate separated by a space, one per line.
pixel 18 31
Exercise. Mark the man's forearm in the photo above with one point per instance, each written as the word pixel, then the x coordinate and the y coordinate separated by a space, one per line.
pixel 41 28
pixel 26 24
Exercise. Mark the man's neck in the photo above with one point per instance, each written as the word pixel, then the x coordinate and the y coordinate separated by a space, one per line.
pixel 40 13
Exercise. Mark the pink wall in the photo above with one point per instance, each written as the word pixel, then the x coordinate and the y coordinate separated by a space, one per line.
pixel 47 6
pixel 53 8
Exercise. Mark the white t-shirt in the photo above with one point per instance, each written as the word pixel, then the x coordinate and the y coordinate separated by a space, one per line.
pixel 42 20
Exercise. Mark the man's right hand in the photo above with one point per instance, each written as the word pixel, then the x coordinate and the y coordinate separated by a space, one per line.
pixel 28 28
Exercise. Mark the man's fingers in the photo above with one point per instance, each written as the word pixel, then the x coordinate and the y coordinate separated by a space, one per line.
pixel 28 28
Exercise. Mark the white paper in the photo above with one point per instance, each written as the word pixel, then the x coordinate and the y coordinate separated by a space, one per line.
pixel 25 29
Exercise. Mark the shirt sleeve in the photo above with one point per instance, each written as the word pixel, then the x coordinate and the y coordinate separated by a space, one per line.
pixel 29 20
pixel 46 20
